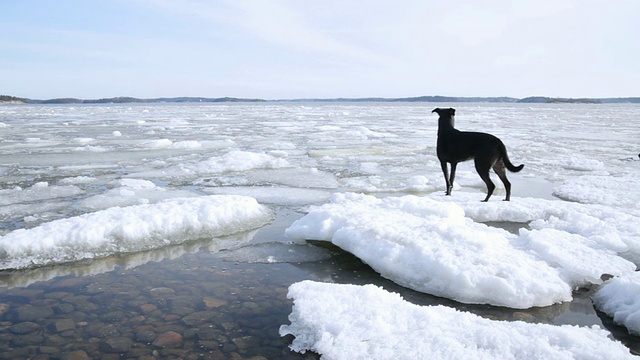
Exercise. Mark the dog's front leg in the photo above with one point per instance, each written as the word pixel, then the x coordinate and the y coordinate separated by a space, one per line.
pixel 445 172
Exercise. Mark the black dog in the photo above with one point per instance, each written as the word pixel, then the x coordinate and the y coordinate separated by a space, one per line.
pixel 488 151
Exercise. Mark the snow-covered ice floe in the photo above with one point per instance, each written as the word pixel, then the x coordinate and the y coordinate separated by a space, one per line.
pixel 620 299
pixel 601 189
pixel 436 246
pixel 354 322
pixel 131 229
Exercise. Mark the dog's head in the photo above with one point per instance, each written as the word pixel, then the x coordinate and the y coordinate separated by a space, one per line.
pixel 445 112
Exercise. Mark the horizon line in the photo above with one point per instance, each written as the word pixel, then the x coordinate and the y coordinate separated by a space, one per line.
pixel 426 98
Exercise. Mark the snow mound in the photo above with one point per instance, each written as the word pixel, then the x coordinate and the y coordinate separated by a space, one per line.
pixel 130 229
pixel 430 246
pixel 367 322
pixel 619 299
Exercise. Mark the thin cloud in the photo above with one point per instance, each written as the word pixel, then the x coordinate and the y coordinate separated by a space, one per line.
pixel 285 24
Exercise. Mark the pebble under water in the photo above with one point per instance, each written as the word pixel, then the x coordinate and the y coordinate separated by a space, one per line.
pixel 197 306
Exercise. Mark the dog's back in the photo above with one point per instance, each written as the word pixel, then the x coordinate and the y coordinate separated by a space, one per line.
pixel 461 146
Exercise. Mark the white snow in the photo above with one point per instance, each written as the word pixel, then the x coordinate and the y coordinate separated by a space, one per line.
pixel 620 299
pixel 611 228
pixel 366 322
pixel 431 246
pixel 130 229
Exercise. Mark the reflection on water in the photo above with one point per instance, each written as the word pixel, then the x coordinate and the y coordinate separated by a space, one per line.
pixel 127 261
pixel 213 299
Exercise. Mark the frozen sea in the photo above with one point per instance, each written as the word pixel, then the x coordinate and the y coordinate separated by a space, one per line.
pixel 176 212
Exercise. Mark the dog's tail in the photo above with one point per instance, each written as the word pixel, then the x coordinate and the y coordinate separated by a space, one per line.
pixel 506 161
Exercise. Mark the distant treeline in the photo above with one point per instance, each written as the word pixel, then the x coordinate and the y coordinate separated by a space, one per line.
pixel 434 99
pixel 439 99
pixel 502 99
pixel 123 100
pixel 546 100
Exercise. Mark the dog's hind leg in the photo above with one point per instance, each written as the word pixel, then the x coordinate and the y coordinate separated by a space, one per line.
pixel 482 167
pixel 499 168
pixel 445 172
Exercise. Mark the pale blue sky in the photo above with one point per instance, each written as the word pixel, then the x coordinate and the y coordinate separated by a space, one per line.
pixel 330 48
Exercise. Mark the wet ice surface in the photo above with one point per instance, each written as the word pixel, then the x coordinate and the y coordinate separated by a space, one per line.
pixel 58 162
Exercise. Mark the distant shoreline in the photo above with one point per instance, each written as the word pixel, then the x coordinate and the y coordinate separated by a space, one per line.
pixel 6 99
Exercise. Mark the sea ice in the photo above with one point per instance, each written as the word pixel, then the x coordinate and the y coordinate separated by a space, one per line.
pixel 601 189
pixel 611 228
pixel 130 229
pixel 132 192
pixel 431 246
pixel 294 177
pixel 296 154
pixel 37 192
pixel 366 322
pixel 279 195
pixel 76 180
pixel 156 144
pixel 240 161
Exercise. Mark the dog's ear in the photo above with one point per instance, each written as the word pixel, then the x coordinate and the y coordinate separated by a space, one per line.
pixel 452 111
pixel 436 110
